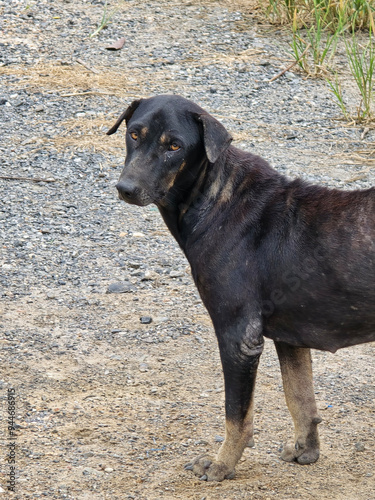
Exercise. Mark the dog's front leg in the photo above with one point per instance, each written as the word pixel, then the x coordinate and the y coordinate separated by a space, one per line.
pixel 240 357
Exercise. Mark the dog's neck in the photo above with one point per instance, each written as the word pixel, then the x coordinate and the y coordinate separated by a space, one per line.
pixel 186 196
pixel 213 187
pixel 199 190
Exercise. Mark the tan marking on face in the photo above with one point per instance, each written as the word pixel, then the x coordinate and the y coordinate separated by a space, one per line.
pixel 171 178
pixel 144 131
pixel 181 167
pixel 163 139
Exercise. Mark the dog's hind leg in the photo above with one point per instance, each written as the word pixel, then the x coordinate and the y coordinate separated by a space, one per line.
pixel 296 371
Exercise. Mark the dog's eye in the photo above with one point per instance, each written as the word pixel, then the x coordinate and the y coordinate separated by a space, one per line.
pixel 174 147
pixel 134 135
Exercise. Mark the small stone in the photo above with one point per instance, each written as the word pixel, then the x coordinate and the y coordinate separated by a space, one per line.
pixel 90 471
pixel 143 367
pixel 201 442
pixel 108 469
pixel 176 274
pixel 359 446
pixel 120 287
pixel 161 319
pixel 134 265
pixel 149 276
pixel 138 235
pixel 219 439
pixel 145 320
pixel 39 108
pixel 30 140
pixel 153 390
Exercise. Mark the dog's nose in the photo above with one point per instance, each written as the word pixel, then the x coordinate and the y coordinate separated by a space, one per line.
pixel 127 190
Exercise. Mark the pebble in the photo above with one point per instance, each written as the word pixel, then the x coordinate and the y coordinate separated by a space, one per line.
pixel 149 275
pixel 120 287
pixel 176 274
pixel 161 319
pixel 359 446
pixel 134 265
pixel 91 471
pixel 145 320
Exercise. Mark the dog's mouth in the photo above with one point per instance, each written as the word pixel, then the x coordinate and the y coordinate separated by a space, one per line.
pixel 130 193
pixel 141 201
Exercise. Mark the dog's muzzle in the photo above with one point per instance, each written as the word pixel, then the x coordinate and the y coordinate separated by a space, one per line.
pixel 128 191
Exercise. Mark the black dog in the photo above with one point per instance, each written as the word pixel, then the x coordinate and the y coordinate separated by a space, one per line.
pixel 271 258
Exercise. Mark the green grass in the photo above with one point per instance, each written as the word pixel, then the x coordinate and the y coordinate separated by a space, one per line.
pixel 334 13
pixel 362 66
pixel 321 39
pixel 336 89
pixel 317 26
pixel 107 17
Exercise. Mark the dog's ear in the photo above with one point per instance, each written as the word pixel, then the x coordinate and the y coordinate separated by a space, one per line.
pixel 215 136
pixel 126 115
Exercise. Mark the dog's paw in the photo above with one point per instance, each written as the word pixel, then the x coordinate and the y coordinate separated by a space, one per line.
pixel 208 470
pixel 301 454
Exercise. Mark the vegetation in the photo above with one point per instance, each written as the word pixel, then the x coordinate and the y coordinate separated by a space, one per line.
pixel 319 25
pixel 107 17
pixel 336 14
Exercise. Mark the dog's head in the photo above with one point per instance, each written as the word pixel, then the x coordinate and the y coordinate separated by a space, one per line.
pixel 168 139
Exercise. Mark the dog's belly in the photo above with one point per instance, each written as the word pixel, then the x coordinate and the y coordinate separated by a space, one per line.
pixel 323 333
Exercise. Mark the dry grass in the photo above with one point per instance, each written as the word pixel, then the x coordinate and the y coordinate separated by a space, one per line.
pixel 83 134
pixel 89 133
pixel 71 79
pixel 76 80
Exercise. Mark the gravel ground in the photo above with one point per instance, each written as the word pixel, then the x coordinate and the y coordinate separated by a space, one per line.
pixel 108 404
